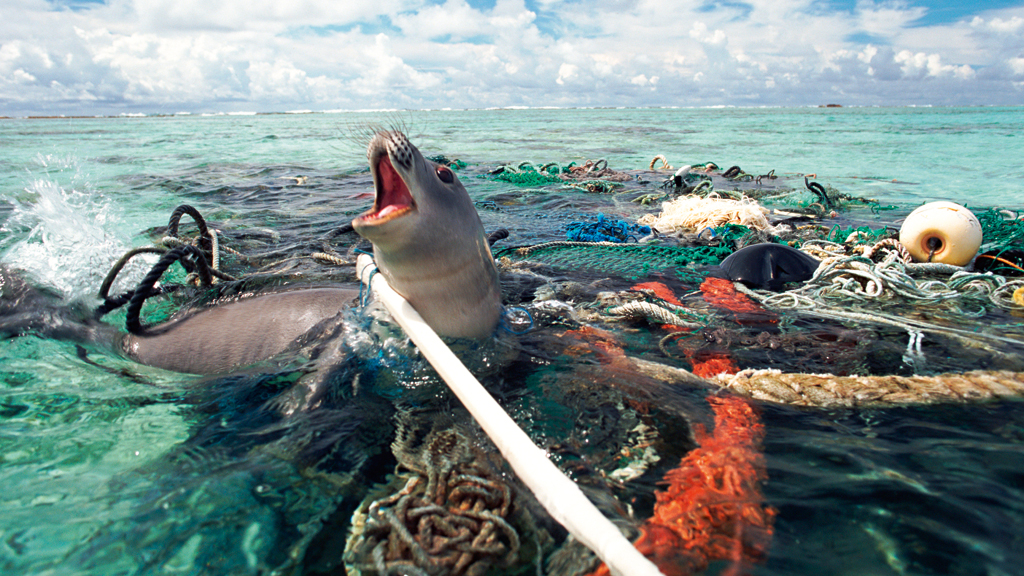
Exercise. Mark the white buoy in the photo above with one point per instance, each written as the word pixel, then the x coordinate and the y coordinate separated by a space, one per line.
pixel 941 232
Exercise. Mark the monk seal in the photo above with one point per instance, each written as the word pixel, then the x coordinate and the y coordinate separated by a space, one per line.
pixel 428 242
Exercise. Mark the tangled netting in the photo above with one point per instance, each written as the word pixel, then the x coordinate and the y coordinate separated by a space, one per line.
pixel 624 260
pixel 858 278
pixel 454 164
pixel 451 516
pixel 592 176
pixel 1003 248
pixel 632 260
pixel 692 213
pixel 851 287
pixel 712 508
pixel 1001 228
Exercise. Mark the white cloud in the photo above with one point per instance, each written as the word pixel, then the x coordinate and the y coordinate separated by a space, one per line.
pixel 921 64
pixel 642 80
pixel 566 72
pixel 885 20
pixel 161 55
pixel 1017 65
pixel 454 18
pixel 699 32
pixel 1013 25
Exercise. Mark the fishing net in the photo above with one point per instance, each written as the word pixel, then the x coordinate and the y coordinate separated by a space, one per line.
pixel 449 512
pixel 1001 229
pixel 630 261
pixel 644 321
pixel 856 235
pixel 712 508
pixel 527 174
pixel 1002 251
pixel 454 164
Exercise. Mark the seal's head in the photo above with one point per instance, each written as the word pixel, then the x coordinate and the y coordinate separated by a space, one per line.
pixel 428 240
pixel 408 189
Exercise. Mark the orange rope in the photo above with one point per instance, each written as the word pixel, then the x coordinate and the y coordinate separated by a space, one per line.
pixel 1003 260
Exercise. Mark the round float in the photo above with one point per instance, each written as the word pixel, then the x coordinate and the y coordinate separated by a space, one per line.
pixel 941 232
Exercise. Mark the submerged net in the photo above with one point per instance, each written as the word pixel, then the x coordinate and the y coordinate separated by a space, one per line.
pixel 630 261
pixel 911 318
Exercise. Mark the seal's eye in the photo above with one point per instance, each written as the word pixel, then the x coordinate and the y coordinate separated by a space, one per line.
pixel 445 175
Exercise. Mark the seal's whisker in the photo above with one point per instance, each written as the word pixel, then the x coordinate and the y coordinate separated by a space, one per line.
pixel 360 133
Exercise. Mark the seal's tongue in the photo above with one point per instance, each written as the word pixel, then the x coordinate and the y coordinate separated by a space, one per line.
pixel 393 195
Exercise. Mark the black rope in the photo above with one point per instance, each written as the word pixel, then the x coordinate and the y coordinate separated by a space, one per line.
pixel 172 224
pixel 934 245
pixel 116 269
pixel 145 289
pixel 732 172
pixel 205 237
pixel 819 191
pixel 325 242
pixel 111 304
pixel 499 234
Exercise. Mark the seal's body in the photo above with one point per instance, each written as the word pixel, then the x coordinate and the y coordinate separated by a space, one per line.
pixel 235 334
pixel 428 242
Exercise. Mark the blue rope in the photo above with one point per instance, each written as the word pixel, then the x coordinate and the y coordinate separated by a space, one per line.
pixel 364 298
pixel 605 230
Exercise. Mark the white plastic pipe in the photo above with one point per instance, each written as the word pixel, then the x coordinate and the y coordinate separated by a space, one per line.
pixel 556 492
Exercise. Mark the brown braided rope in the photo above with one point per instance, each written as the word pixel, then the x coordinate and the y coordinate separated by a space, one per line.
pixel 830 391
pixel 826 390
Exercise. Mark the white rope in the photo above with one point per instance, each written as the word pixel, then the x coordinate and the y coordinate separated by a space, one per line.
pixel 557 493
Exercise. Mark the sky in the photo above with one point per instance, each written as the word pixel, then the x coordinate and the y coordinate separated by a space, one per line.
pixel 102 57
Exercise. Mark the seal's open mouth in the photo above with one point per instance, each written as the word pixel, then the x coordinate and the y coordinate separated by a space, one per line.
pixel 392 198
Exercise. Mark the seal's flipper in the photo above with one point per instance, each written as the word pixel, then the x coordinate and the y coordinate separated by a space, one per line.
pixel 768 266
pixel 26 309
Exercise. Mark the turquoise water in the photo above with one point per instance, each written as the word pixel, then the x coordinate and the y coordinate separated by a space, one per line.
pixel 111 467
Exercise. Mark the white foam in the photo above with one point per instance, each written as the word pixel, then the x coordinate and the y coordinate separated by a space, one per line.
pixel 62 232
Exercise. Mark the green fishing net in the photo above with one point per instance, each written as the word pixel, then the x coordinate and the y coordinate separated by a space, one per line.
pixel 1000 230
pixel 631 260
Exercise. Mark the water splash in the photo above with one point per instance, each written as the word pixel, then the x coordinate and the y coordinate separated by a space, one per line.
pixel 61 230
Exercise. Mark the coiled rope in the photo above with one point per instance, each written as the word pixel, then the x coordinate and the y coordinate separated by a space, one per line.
pixel 195 262
pixel 859 279
pixel 145 289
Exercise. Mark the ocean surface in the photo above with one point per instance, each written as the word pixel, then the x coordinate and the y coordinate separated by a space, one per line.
pixel 109 467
